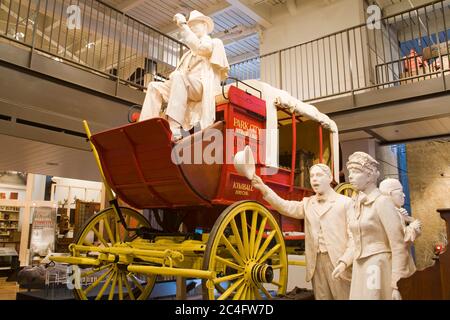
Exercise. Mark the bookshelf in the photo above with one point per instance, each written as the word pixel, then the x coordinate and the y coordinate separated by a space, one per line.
pixel 9 225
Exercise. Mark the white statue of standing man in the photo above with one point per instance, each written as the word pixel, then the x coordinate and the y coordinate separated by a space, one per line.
pixel 328 243
pixel 191 89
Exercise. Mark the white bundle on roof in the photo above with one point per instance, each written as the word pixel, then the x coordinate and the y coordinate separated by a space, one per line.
pixel 275 97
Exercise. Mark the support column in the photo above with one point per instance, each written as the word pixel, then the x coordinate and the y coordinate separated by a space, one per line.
pixel 25 230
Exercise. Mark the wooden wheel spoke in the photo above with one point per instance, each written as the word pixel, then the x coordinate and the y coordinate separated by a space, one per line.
pixel 245 233
pixel 120 286
pixel 259 236
pixel 265 244
pixel 229 263
pixel 113 287
pixel 253 233
pixel 276 283
pixel 270 253
pixel 96 282
pixel 230 290
pixel 250 293
pixel 239 291
pixel 136 281
pixel 228 278
pixel 127 220
pixel 267 294
pixel 127 285
pixel 237 237
pixel 256 292
pixel 108 230
pixel 219 286
pixel 95 270
pixel 105 285
pixel 117 227
pixel 100 237
pixel 232 250
pixel 244 293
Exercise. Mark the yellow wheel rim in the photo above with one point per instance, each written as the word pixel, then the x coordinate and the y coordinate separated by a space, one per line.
pixel 249 262
pixel 111 280
pixel 345 189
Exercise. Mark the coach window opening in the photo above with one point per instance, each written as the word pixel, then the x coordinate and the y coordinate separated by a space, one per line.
pixel 294 120
pixel 301 146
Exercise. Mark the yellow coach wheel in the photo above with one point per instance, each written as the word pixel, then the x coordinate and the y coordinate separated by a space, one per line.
pixel 345 189
pixel 246 250
pixel 111 280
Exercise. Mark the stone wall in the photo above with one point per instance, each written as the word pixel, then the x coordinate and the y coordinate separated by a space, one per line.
pixel 429 181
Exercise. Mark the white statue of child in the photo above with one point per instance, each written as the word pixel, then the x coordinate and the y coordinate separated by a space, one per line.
pixel 394 189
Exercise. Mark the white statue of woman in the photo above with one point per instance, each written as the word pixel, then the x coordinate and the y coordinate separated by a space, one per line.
pixel 381 255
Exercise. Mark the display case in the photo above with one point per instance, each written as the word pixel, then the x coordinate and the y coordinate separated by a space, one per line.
pixel 9 259
pixel 9 226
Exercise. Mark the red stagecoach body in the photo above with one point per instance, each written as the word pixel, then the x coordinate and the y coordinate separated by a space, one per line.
pixel 137 164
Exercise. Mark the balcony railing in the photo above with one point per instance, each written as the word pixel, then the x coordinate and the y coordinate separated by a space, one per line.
pixel 361 58
pixel 97 37
pixel 91 35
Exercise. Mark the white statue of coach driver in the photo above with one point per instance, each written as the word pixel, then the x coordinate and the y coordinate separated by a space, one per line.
pixel 191 89
pixel 328 242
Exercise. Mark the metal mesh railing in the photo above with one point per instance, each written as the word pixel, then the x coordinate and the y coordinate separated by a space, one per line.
pixel 248 69
pixel 365 57
pixel 92 35
pixel 95 36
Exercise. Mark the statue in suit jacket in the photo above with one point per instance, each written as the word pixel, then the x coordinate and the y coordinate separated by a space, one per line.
pixel 191 89
pixel 328 243
pixel 381 256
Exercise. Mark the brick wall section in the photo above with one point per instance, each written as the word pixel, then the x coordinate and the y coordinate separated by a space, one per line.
pixel 429 179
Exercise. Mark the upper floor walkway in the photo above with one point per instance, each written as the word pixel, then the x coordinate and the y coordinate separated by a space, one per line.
pixel 60 63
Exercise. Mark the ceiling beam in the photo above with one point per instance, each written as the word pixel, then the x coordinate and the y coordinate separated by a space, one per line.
pixel 243 57
pixel 410 140
pixel 127 5
pixel 260 15
pixel 375 135
pixel 403 6
pixel 236 33
pixel 211 12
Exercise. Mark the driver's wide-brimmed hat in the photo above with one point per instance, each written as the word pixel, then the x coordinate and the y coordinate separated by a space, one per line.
pixel 198 16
